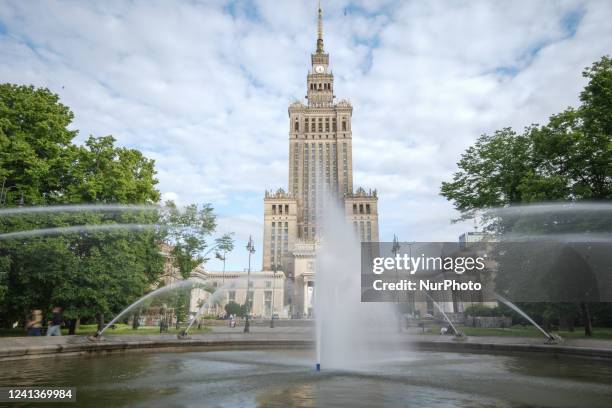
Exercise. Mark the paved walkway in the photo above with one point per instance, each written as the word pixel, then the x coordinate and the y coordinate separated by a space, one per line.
pixel 291 336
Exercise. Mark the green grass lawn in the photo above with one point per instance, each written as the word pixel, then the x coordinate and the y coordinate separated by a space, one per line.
pixel 85 329
pixel 526 331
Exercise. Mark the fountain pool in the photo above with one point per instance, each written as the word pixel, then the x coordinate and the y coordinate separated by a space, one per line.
pixel 283 378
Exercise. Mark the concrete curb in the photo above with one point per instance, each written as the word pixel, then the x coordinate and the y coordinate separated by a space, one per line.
pixel 80 345
pixel 552 350
pixel 28 347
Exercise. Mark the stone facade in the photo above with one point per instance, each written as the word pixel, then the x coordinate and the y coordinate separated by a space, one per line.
pixel 266 291
pixel 320 170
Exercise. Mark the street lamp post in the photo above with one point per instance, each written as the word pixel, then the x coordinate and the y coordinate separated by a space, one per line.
pixel 409 296
pixel 395 249
pixel 273 290
pixel 251 248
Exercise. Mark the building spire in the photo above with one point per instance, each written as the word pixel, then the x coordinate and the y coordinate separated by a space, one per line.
pixel 320 31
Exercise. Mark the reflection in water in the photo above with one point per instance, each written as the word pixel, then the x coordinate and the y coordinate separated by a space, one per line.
pixel 285 378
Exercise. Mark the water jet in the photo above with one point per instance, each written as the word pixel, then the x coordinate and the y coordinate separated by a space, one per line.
pixel 458 335
pixel 550 338
pixel 163 289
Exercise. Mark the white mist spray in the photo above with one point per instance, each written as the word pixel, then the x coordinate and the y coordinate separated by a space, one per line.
pixel 350 334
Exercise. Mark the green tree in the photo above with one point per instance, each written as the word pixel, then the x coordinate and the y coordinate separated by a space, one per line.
pixel 35 145
pixel 568 159
pixel 189 232
pixel 234 308
pixel 89 273
pixel 100 172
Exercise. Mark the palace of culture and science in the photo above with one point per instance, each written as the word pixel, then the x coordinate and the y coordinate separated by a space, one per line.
pixel 320 166
pixel 320 170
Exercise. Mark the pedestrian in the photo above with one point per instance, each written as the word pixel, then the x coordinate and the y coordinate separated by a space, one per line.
pixel 34 323
pixel 55 324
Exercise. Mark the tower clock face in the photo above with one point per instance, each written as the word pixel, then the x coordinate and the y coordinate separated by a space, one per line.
pixel 319 69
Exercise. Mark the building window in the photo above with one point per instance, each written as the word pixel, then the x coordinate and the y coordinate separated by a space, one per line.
pixel 231 296
pixel 354 208
pixel 273 210
pixel 360 208
pixel 367 208
pixel 286 208
pixel 344 125
pixel 296 127
pixel 268 284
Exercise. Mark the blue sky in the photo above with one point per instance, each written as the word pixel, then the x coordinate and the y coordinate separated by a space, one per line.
pixel 203 88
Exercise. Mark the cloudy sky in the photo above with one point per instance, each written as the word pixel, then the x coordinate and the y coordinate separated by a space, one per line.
pixel 203 88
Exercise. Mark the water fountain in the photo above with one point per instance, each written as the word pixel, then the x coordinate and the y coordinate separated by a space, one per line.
pixel 564 223
pixel 358 341
pixel 212 299
pixel 77 229
pixel 350 334
pixel 550 338
pixel 164 289
pixel 456 333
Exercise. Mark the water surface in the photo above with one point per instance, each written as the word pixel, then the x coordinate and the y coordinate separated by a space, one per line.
pixel 286 378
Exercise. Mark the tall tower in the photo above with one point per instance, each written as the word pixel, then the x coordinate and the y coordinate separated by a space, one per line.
pixel 320 150
pixel 320 166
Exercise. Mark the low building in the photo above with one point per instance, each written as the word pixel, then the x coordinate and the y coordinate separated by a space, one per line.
pixel 266 291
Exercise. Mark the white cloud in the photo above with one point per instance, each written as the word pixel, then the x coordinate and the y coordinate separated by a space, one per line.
pixel 204 91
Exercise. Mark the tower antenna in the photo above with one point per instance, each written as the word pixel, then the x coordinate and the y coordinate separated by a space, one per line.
pixel 320 30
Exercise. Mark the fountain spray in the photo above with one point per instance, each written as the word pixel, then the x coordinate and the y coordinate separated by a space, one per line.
pixel 457 333
pixel 212 299
pixel 181 284
pixel 350 334
pixel 550 338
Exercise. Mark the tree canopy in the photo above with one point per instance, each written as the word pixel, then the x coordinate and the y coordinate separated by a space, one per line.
pixel 569 158
pixel 89 272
